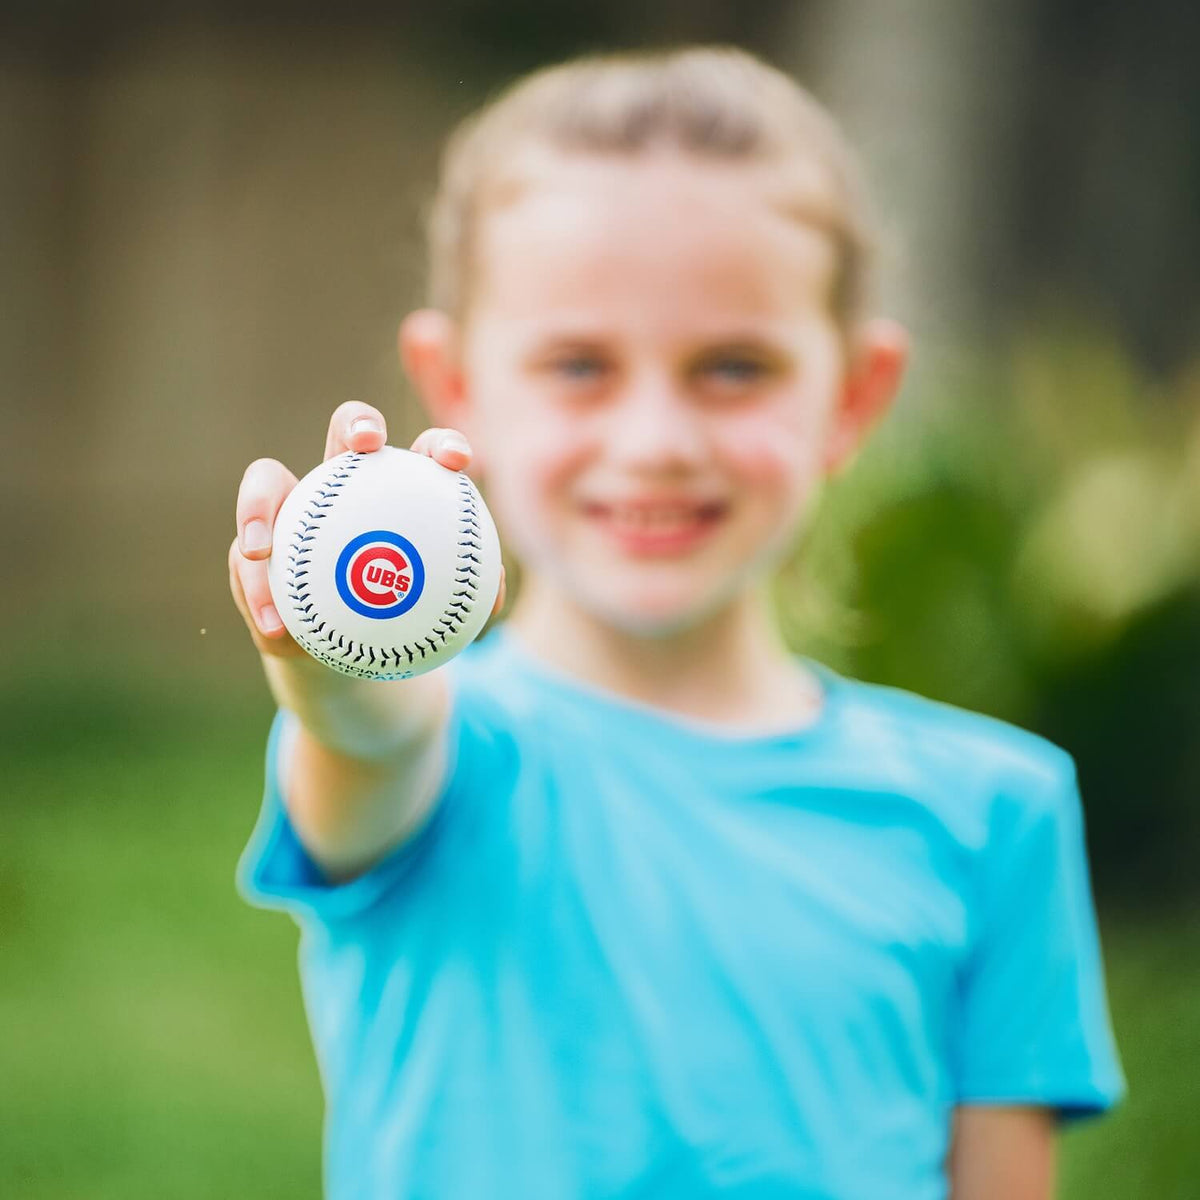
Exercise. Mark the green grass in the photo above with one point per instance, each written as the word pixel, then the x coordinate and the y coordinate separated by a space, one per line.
pixel 1147 1148
pixel 152 1039
pixel 153 1036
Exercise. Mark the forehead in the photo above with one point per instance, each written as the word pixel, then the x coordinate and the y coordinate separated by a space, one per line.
pixel 654 242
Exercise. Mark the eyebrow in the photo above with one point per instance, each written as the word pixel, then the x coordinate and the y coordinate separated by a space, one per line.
pixel 752 345
pixel 732 335
pixel 748 343
pixel 551 343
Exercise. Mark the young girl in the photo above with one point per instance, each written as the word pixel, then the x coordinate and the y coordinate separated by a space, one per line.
pixel 628 900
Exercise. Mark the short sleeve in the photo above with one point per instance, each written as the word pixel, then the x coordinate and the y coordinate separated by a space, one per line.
pixel 276 871
pixel 1035 1025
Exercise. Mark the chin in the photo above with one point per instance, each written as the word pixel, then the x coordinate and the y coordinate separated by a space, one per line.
pixel 652 607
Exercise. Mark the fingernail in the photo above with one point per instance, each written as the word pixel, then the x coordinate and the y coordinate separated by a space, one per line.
pixel 365 425
pixel 256 535
pixel 453 440
pixel 268 619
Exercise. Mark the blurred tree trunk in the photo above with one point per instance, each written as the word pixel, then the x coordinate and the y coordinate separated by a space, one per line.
pixel 1028 157
pixel 930 96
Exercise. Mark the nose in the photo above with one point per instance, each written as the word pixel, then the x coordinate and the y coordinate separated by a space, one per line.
pixel 656 429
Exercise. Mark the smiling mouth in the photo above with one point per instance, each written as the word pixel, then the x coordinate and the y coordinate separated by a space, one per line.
pixel 656 528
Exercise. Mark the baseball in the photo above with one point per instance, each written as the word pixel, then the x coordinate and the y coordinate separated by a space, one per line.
pixel 384 565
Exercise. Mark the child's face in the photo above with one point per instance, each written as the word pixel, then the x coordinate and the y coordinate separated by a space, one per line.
pixel 650 374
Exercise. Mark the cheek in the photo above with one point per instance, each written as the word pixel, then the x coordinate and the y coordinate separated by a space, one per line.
pixel 773 452
pixel 533 455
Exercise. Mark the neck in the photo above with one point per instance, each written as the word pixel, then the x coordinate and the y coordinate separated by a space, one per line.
pixel 733 668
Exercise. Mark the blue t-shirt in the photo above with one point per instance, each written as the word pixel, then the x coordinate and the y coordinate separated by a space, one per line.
pixel 628 955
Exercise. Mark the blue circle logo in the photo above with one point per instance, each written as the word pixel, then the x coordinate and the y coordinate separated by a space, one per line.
pixel 379 575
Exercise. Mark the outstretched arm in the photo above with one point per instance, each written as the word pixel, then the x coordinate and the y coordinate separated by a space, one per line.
pixel 368 757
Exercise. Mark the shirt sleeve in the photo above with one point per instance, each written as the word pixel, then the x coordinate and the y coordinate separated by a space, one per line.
pixel 1035 1025
pixel 275 870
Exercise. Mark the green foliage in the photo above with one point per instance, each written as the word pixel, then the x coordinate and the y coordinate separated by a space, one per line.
pixel 1027 543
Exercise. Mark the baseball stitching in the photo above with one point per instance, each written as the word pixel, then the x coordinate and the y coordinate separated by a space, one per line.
pixel 339 647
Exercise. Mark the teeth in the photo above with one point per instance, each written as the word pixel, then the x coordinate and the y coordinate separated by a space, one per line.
pixel 654 518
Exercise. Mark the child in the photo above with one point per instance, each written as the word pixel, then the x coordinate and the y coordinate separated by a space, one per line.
pixel 628 900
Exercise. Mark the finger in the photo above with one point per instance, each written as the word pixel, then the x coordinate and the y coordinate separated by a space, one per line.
pixel 235 583
pixel 500 592
pixel 237 591
pixel 282 646
pixel 355 426
pixel 251 588
pixel 265 485
pixel 445 446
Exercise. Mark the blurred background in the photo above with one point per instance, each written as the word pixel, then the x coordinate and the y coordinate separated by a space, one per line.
pixel 210 226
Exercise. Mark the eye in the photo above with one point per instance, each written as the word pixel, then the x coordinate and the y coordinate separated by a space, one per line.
pixel 738 370
pixel 579 368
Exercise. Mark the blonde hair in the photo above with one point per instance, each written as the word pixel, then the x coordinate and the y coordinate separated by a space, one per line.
pixel 715 102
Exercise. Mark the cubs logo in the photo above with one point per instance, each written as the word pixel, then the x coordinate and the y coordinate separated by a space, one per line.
pixel 379 574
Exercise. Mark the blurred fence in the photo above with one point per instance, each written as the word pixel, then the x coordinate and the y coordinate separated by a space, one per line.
pixel 211 225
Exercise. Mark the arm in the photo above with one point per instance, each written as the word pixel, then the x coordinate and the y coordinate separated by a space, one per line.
pixel 368 758
pixel 1002 1153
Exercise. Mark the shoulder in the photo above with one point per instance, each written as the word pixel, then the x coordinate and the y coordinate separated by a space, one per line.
pixel 966 762
pixel 482 680
pixel 493 702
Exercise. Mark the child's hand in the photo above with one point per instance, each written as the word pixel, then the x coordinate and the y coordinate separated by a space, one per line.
pixel 265 486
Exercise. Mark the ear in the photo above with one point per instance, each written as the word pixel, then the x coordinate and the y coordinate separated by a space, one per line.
pixel 877 359
pixel 429 350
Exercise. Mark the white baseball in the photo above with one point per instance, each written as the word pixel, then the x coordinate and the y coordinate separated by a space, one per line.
pixel 384 565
